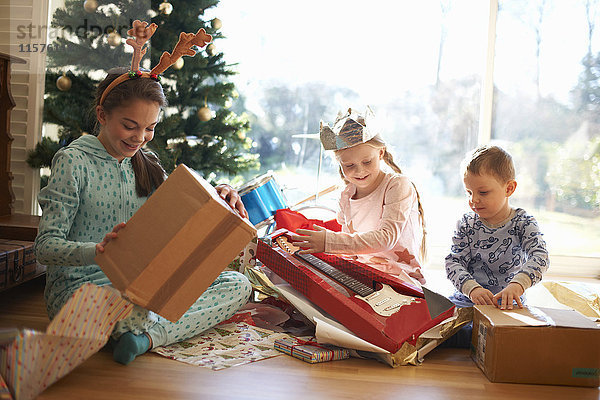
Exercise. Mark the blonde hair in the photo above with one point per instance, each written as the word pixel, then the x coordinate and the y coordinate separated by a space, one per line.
pixel 492 160
pixel 378 143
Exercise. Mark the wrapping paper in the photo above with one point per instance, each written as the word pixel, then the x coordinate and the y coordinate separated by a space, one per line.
pixel 332 332
pixel 34 360
pixel 4 392
pixel 309 351
pixel 385 331
pixel 224 346
pixel 577 295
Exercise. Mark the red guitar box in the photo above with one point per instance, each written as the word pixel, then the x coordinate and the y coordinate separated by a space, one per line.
pixel 414 310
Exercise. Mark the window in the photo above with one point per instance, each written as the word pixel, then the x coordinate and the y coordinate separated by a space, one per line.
pixel 422 66
pixel 545 113
pixel 417 64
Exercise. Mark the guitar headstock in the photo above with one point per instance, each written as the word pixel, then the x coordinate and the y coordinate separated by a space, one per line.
pixel 286 245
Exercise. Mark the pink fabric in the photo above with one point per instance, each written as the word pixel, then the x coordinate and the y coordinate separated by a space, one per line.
pixel 382 229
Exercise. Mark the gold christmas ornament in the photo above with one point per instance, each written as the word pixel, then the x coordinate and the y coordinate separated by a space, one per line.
pixel 211 49
pixel 178 64
pixel 63 83
pixel 90 5
pixel 114 39
pixel 216 23
pixel 205 114
pixel 165 8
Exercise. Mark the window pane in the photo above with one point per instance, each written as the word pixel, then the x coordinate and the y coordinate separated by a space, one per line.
pixel 417 64
pixel 546 115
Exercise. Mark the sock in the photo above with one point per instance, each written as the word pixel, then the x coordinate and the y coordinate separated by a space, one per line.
pixel 129 347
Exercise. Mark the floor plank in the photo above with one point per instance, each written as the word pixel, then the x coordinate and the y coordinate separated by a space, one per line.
pixel 445 374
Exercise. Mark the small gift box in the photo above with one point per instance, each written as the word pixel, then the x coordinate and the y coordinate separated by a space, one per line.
pixel 310 351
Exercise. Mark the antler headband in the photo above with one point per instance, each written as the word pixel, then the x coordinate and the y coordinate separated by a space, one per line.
pixel 142 32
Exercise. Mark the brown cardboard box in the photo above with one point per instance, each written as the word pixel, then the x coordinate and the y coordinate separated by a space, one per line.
pixel 536 345
pixel 175 245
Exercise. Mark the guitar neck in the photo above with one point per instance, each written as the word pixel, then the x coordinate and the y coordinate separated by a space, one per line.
pixel 344 279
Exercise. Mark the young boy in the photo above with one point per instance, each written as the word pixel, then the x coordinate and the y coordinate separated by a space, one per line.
pixel 497 251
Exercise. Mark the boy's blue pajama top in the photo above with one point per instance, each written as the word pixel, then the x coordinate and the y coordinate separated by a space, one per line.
pixel 493 257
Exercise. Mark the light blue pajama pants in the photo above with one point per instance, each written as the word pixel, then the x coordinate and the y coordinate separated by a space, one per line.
pixel 220 301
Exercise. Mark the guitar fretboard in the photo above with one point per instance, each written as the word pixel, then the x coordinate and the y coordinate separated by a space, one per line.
pixel 337 275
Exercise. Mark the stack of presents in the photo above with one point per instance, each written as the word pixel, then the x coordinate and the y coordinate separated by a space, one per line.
pixel 191 235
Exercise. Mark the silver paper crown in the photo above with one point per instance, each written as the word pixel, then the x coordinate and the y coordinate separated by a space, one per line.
pixel 349 130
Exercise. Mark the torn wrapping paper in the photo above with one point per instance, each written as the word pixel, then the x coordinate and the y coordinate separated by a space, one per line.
pixel 33 360
pixel 328 330
pixel 310 351
pixel 224 346
pixel 332 332
pixel 4 392
pixel 376 306
pixel 580 296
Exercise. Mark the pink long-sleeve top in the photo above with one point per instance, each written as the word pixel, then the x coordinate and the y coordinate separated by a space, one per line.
pixel 382 229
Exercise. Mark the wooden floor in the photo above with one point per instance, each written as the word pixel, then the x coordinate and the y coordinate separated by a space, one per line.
pixel 445 373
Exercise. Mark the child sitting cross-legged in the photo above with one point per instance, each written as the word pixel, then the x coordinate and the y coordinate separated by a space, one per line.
pixel 497 250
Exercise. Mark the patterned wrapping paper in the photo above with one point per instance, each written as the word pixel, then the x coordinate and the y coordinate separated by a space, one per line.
pixel 4 392
pixel 309 351
pixel 224 346
pixel 35 360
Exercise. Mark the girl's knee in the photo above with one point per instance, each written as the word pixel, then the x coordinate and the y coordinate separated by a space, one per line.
pixel 234 280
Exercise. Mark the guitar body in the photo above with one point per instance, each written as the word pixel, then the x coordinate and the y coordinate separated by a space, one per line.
pixel 368 316
pixel 386 301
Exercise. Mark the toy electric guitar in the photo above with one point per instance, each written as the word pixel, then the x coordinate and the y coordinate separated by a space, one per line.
pixel 385 301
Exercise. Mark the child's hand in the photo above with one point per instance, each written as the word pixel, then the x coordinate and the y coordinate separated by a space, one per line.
pixel 231 196
pixel 482 296
pixel 512 292
pixel 109 236
pixel 310 241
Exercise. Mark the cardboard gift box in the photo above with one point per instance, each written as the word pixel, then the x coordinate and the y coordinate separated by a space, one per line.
pixel 377 307
pixel 536 345
pixel 175 245
pixel 310 351
pixel 17 263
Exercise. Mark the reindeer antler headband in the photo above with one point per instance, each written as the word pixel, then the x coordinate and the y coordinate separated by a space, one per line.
pixel 142 32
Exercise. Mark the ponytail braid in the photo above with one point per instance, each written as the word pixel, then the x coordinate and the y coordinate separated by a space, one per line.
pixel 389 160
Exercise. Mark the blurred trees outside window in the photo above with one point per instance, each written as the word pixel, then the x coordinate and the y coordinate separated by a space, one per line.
pixel 420 66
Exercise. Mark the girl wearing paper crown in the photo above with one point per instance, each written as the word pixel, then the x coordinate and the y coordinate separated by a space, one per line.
pixel 380 212
pixel 99 181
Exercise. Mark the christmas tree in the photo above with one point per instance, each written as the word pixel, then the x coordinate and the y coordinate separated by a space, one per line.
pixel 197 129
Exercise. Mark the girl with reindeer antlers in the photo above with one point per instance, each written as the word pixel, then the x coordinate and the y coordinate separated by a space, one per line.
pixel 99 181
